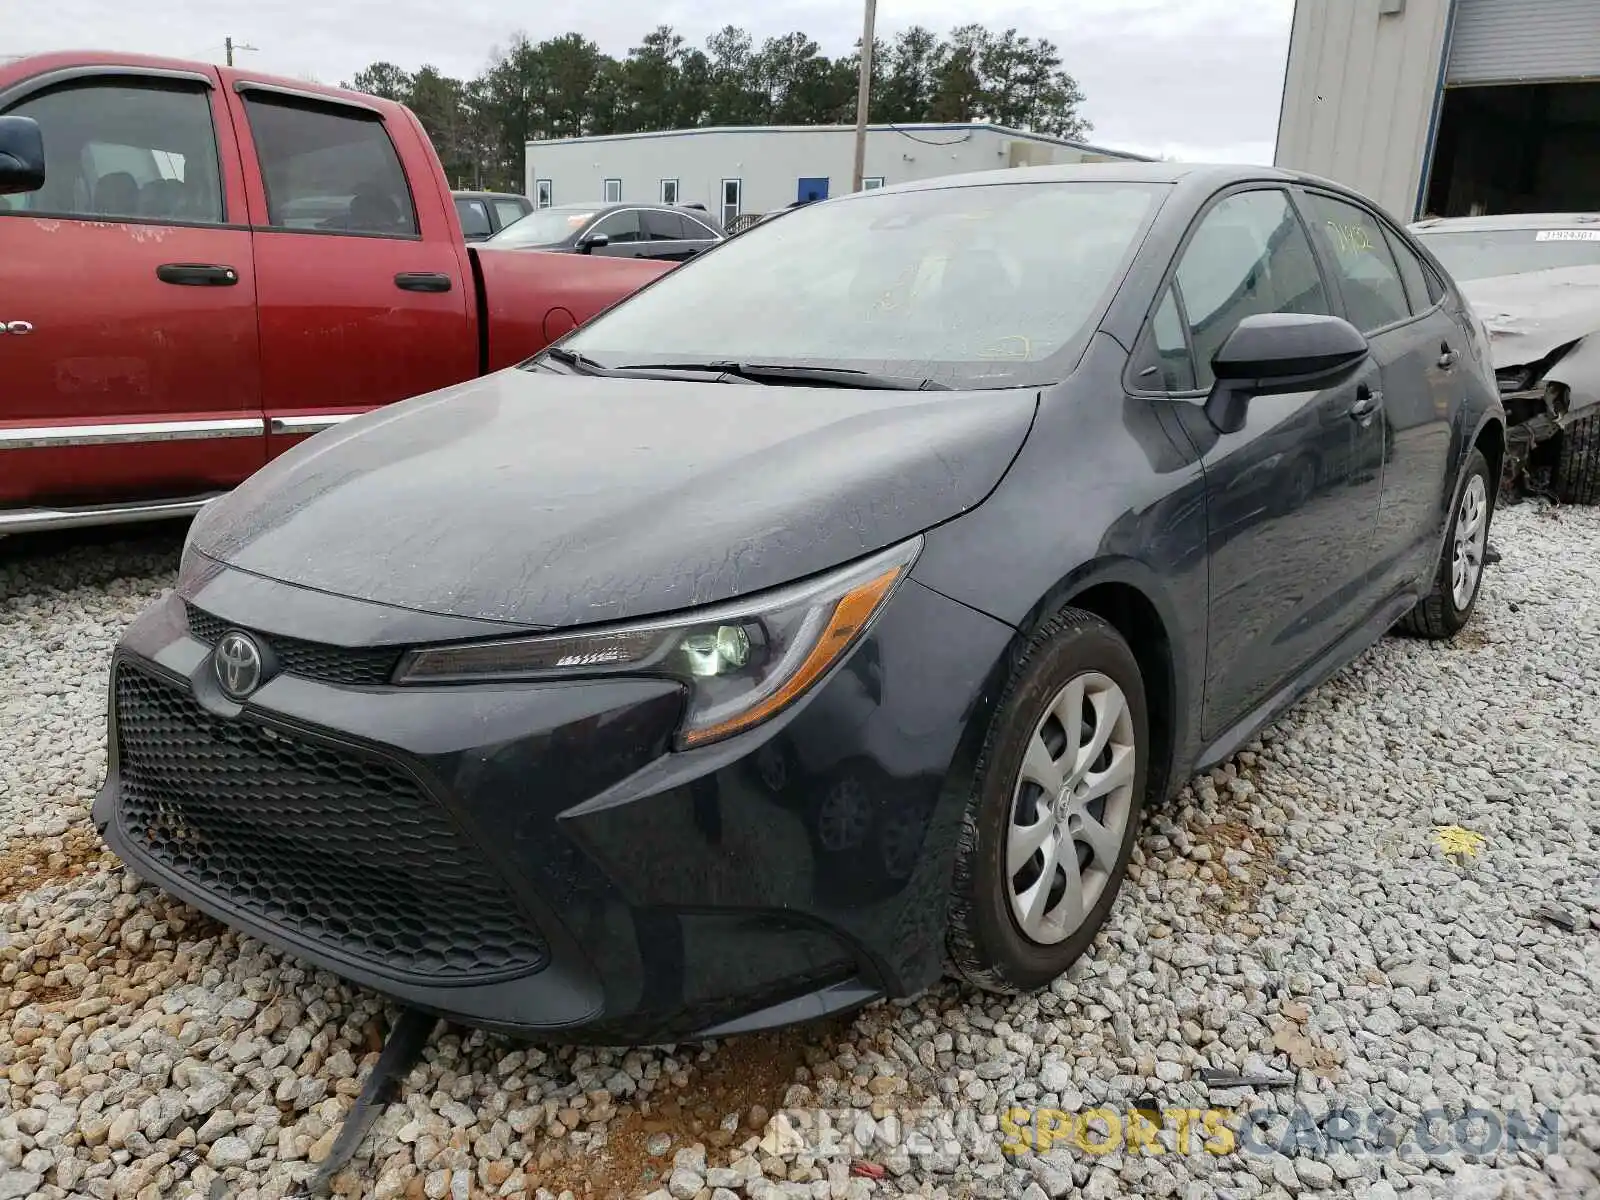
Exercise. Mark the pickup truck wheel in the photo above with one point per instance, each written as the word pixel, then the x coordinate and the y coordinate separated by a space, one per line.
pixel 1578 470
pixel 1054 809
pixel 1457 579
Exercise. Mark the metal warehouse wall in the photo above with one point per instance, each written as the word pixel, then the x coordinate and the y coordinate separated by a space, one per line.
pixel 1360 92
pixel 770 162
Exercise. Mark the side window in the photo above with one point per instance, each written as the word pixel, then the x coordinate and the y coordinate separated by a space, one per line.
pixel 732 197
pixel 126 149
pixel 664 226
pixel 544 193
pixel 1412 273
pixel 669 191
pixel 698 230
pixel 509 211
pixel 474 218
pixel 329 168
pixel 1374 295
pixel 1249 255
pixel 620 227
pixel 1162 360
pixel 613 192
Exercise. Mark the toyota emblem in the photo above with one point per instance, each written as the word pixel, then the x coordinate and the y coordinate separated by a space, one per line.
pixel 238 664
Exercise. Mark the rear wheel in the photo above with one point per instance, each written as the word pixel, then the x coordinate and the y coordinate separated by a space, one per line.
pixel 1449 603
pixel 1578 468
pixel 1055 808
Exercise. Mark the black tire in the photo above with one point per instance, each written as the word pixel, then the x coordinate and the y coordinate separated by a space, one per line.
pixel 1578 468
pixel 985 945
pixel 1436 617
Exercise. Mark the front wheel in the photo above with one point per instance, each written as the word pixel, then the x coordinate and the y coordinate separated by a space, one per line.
pixel 1055 808
pixel 1448 606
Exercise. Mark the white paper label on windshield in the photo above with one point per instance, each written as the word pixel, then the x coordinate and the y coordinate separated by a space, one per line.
pixel 1568 235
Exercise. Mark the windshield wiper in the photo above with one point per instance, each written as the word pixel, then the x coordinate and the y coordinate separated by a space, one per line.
pixel 847 377
pixel 581 363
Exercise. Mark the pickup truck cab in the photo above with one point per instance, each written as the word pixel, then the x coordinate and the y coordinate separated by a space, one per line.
pixel 200 266
pixel 484 214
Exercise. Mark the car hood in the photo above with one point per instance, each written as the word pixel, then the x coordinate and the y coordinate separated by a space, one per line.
pixel 547 500
pixel 1531 314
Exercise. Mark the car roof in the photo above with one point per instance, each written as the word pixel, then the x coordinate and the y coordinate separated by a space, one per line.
pixel 471 195
pixel 1506 221
pixel 1197 176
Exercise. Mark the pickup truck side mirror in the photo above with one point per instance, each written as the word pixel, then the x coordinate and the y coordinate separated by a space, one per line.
pixel 21 155
pixel 593 241
pixel 1270 353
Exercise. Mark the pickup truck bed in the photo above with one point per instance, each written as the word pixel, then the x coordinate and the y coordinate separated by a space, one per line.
pixel 217 265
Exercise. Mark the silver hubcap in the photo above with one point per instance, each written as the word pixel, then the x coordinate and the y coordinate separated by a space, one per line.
pixel 1472 534
pixel 1069 810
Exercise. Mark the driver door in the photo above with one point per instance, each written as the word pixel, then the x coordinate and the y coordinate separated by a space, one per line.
pixel 625 235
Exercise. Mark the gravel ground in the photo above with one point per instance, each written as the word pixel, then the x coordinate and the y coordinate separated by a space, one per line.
pixel 1292 915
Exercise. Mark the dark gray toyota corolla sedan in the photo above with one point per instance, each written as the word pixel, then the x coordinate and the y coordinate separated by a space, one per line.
pixel 821 616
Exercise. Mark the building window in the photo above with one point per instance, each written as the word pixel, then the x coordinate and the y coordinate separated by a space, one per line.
pixel 870 182
pixel 732 190
pixel 545 193
pixel 613 191
pixel 669 191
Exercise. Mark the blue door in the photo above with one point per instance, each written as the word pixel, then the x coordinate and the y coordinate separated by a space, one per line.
pixel 813 189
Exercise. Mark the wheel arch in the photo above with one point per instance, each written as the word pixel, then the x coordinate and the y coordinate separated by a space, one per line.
pixel 1128 596
pixel 1490 438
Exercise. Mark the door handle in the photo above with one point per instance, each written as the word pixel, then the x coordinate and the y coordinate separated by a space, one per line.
pixel 422 281
pixel 1367 402
pixel 197 274
pixel 1447 357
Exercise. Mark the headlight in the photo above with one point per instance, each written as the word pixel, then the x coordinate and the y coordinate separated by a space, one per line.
pixel 742 662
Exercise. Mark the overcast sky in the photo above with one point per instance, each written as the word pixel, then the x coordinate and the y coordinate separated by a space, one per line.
pixel 1196 79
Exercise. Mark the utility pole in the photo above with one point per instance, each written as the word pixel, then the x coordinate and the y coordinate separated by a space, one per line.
pixel 228 43
pixel 864 94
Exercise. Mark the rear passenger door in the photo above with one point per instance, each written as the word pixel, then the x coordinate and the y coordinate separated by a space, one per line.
pixel 359 275
pixel 1388 295
pixel 138 377
pixel 701 236
pixel 669 236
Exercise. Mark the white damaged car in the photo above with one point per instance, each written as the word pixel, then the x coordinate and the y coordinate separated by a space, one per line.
pixel 1534 281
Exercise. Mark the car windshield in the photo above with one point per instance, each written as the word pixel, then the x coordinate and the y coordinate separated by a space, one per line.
pixel 543 227
pixel 1478 254
pixel 984 286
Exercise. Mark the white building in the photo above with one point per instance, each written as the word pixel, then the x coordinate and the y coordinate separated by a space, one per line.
pixel 1448 107
pixel 759 169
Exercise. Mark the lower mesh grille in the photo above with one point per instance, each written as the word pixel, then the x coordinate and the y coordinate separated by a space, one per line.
pixel 331 848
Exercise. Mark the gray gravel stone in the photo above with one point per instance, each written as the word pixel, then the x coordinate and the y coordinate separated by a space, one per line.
pixel 1422 981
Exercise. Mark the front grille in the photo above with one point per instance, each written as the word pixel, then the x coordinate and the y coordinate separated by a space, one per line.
pixel 333 849
pixel 350 666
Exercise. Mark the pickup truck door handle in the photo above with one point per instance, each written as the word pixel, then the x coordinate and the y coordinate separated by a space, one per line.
pixel 422 281
pixel 1367 402
pixel 197 274
pixel 1447 357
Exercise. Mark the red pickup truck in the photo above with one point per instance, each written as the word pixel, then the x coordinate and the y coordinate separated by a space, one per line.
pixel 201 265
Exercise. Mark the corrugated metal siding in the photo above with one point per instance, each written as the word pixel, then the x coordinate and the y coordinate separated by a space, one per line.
pixel 1503 41
pixel 1359 95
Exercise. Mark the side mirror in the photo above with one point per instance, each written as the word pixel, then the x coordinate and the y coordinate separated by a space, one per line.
pixel 1271 353
pixel 21 155
pixel 594 241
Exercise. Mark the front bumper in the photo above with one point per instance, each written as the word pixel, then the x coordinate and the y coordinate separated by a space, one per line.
pixel 535 858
